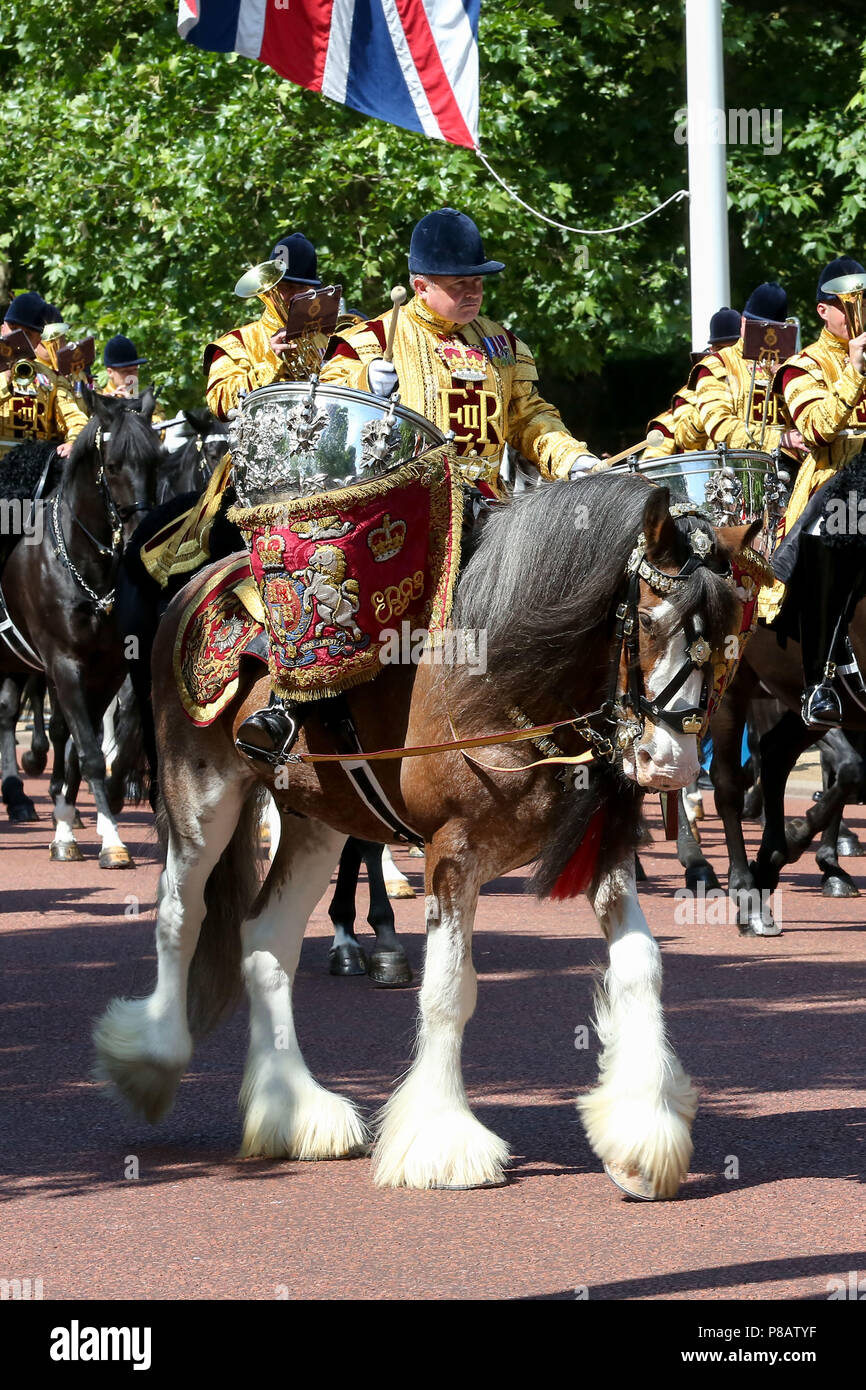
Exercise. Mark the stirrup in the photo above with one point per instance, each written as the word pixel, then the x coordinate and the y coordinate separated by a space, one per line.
pixel 828 718
pixel 274 757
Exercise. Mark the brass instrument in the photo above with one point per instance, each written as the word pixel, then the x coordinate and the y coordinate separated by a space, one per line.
pixel 850 291
pixel 260 283
pixel 53 339
pixel 23 376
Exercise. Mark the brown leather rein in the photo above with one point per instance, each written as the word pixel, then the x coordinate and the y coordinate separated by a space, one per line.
pixel 457 745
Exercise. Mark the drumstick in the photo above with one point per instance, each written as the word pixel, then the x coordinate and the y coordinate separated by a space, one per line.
pixel 652 441
pixel 398 297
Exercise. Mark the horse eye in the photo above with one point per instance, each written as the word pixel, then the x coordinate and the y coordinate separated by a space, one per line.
pixel 645 621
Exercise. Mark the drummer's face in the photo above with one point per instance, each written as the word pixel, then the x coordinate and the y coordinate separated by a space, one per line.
pixel 454 297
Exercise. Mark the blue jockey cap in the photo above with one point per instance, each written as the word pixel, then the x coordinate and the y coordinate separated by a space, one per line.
pixel 121 352
pixel 768 301
pixel 725 326
pixel 843 265
pixel 27 311
pixel 298 255
pixel 448 242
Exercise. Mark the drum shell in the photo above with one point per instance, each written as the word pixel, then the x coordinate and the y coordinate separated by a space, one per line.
pixel 295 439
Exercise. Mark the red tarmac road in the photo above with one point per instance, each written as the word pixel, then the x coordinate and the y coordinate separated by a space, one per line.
pixel 772 1031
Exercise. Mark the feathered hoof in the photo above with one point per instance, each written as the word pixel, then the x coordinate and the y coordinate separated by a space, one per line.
pixel 66 851
pixel 442 1151
pixel 147 1085
pixel 399 888
pixel 389 969
pixel 347 960
pixel 116 857
pixel 323 1126
pixel 416 852
pixel 631 1182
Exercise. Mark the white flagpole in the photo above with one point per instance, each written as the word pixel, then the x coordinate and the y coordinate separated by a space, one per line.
pixel 707 133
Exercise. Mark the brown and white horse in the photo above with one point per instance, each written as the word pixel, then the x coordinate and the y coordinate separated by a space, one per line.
pixel 571 596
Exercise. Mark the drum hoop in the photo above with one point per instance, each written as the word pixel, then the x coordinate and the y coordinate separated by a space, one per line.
pixel 331 391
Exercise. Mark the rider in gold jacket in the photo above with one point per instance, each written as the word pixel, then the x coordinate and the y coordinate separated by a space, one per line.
pixel 463 371
pixel 36 404
pixel 733 411
pixel 241 360
pixel 682 426
pixel 824 388
pixel 257 354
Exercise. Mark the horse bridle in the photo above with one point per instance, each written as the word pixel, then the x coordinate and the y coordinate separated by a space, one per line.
pixel 117 517
pixel 631 706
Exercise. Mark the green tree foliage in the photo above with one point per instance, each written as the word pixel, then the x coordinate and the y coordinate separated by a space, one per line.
pixel 140 176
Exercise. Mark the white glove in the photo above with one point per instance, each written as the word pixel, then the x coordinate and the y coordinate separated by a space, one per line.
pixel 382 377
pixel 584 463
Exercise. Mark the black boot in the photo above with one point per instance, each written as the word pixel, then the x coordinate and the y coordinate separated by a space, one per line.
pixel 829 579
pixel 269 735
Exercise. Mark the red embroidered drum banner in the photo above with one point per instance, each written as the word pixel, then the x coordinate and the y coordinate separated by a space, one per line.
pixel 338 571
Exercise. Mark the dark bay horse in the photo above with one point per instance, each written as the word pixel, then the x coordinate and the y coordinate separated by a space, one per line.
pixel 568 629
pixel 770 668
pixel 188 468
pixel 60 597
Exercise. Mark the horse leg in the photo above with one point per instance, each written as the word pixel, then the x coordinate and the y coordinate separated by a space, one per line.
pixel 638 1119
pixel 143 1046
pixel 34 758
pixel 845 768
pixel 387 964
pixel 783 843
pixel 754 917
pixel 427 1134
pixel 84 716
pixel 691 856
pixel 346 957
pixel 397 884
pixel 19 807
pixel 287 1114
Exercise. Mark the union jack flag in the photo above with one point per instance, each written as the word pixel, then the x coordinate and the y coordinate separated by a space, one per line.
pixel 413 63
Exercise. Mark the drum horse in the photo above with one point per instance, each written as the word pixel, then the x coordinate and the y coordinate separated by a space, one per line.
pixel 602 606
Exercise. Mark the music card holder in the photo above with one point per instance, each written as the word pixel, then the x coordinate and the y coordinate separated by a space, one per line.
pixel 75 359
pixel 314 311
pixel 765 340
pixel 13 348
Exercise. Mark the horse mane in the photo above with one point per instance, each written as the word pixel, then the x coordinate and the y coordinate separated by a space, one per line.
pixel 543 578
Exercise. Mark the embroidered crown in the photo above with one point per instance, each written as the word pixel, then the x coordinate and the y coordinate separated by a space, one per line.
pixel 270 548
pixel 387 540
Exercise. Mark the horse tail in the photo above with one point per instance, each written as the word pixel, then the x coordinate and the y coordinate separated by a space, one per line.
pixel 215 983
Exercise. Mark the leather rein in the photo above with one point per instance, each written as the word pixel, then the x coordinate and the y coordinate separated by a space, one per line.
pixel 623 712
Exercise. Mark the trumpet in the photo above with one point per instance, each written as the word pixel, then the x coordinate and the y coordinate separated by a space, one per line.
pixel 23 375
pixel 850 291
pixel 260 283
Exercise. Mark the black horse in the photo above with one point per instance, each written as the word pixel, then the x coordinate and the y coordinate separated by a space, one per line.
pixel 59 592
pixel 188 468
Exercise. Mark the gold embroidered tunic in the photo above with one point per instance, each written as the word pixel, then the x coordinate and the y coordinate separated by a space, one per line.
pixel 48 410
pixel 825 395
pixel 478 380
pixel 681 426
pixel 243 360
pixel 722 383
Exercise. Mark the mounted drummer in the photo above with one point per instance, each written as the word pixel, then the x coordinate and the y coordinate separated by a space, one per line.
pixel 464 372
pixel 259 353
pixel 733 392
pixel 821 558
pixel 681 426
pixel 35 402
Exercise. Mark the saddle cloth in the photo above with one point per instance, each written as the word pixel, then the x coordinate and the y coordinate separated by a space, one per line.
pixel 327 581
